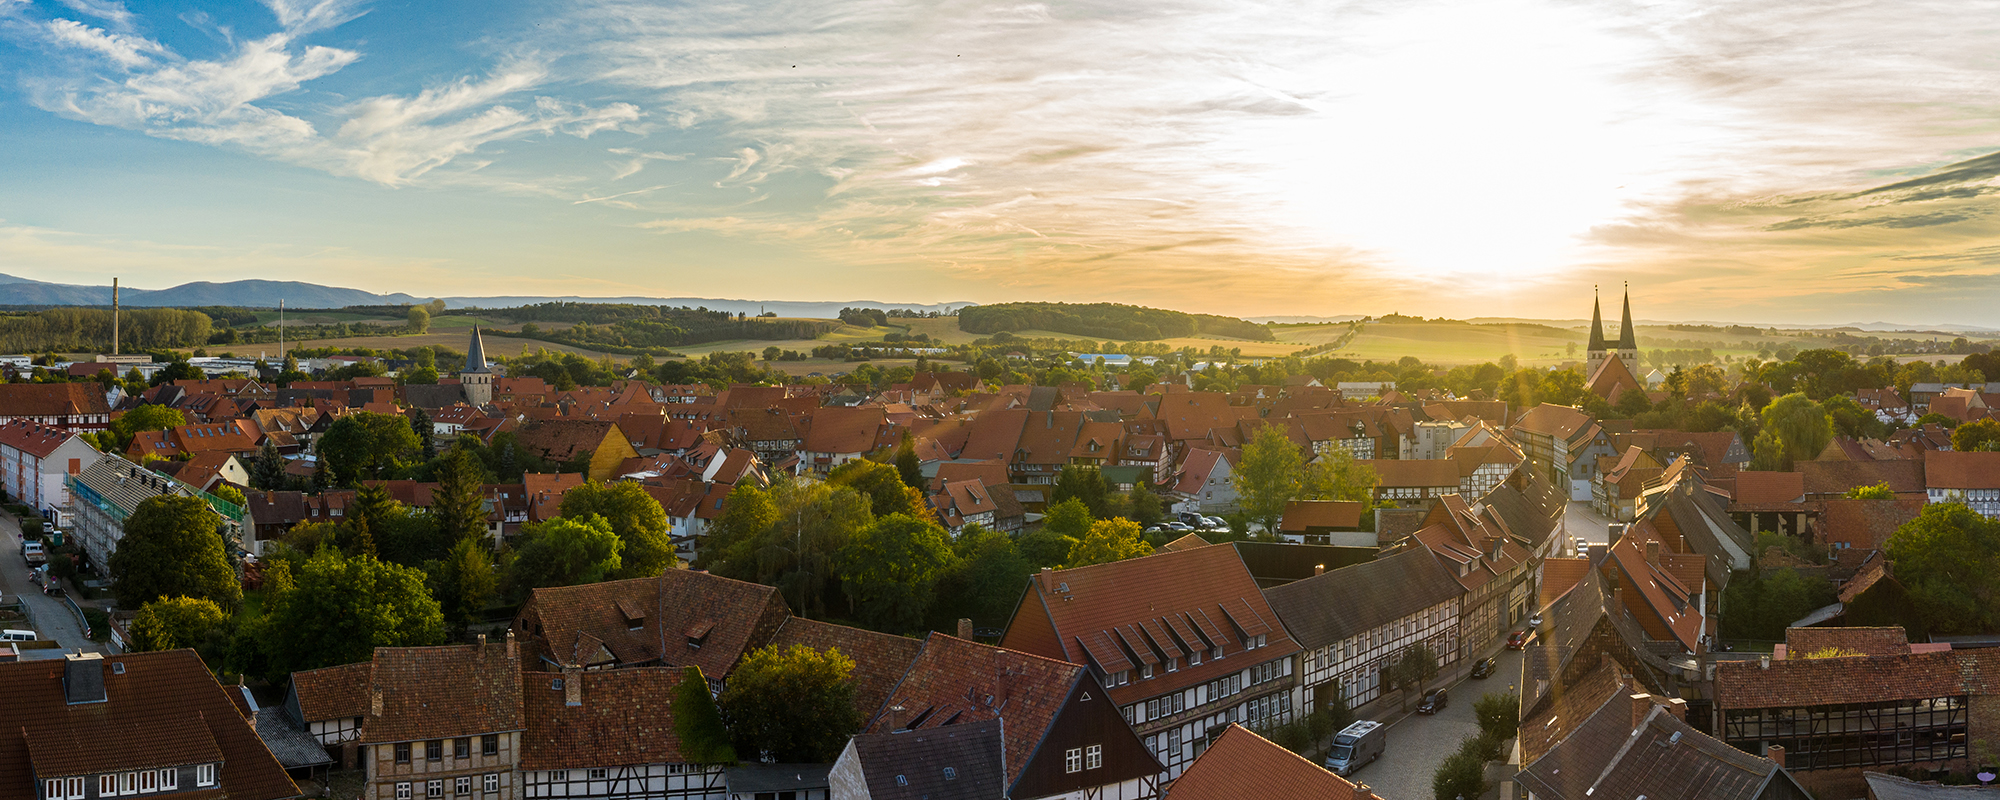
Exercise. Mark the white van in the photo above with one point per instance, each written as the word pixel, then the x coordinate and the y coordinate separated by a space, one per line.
pixel 1357 744
pixel 12 635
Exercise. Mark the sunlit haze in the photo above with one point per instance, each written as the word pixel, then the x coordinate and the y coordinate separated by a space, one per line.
pixel 1763 161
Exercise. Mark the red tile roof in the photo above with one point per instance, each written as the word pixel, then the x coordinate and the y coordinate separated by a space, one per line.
pixel 1241 764
pixel 33 437
pixel 52 400
pixel 955 681
pixel 1303 515
pixel 443 692
pixel 1769 488
pixel 1831 681
pixel 332 693
pixel 1891 641
pixel 844 430
pixel 568 624
pixel 624 718
pixel 1947 469
pixel 164 710
pixel 1100 612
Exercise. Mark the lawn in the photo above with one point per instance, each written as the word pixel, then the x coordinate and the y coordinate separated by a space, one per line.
pixel 1452 343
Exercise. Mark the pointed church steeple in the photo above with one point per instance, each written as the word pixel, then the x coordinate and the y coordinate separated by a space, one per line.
pixel 475 354
pixel 1596 323
pixel 1627 340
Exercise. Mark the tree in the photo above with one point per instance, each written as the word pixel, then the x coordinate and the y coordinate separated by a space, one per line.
pixel 746 514
pixel 1795 429
pixel 1461 775
pixel 1336 475
pixel 368 520
pixel 1880 491
pixel 637 518
pixel 1949 559
pixel 890 571
pixel 566 552
pixel 704 739
pixel 172 547
pixel 420 424
pixel 1498 715
pixel 420 319
pixel 171 623
pixel 458 503
pixel 1937 419
pixel 907 463
pixel 1974 436
pixel 267 470
pixel 340 609
pixel 463 581
pixel 887 492
pixel 230 494
pixel 1085 484
pixel 1068 517
pixel 1107 541
pixel 1267 476
pixel 771 353
pixel 366 445
pixel 1417 664
pixel 984 581
pixel 792 706
pixel 1145 506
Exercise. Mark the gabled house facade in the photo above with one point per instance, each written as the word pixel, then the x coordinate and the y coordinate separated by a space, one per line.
pixel 1357 621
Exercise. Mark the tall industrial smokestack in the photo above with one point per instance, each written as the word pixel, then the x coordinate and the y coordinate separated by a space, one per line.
pixel 114 316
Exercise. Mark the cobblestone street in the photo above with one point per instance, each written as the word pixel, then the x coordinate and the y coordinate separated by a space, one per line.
pixel 53 618
pixel 1417 744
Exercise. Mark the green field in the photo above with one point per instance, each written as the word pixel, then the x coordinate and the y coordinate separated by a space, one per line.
pixel 1453 343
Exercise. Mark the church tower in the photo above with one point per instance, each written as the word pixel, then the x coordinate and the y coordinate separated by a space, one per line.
pixel 1628 339
pixel 477 381
pixel 1594 354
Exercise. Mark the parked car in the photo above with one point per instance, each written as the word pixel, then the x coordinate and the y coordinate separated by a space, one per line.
pixel 1519 641
pixel 15 635
pixel 1180 527
pixel 1582 545
pixel 32 552
pixel 1483 668
pixel 1217 523
pixel 1434 701
pixel 1535 620
pixel 1357 745
pixel 48 527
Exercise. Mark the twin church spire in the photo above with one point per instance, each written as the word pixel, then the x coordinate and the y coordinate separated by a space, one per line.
pixel 1628 340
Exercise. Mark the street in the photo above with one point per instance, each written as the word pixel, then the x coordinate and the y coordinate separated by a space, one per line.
pixel 1417 744
pixel 52 617
pixel 1582 520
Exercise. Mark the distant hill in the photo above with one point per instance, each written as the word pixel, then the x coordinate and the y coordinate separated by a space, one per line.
pixel 1104 320
pixel 250 294
pixel 18 291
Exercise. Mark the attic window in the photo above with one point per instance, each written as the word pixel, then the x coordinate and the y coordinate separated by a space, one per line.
pixel 556 684
pixel 698 634
pixel 952 774
pixel 902 781
pixel 117 667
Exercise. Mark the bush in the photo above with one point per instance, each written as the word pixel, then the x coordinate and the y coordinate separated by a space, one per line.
pixel 1499 715
pixel 100 624
pixel 1461 774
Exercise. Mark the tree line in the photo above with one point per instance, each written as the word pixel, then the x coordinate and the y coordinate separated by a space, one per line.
pixel 1104 320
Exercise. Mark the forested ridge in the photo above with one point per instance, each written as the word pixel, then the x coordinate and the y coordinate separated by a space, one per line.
pixel 1104 321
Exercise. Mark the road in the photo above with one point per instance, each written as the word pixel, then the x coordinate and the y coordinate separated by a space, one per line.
pixel 1581 520
pixel 1417 744
pixel 53 619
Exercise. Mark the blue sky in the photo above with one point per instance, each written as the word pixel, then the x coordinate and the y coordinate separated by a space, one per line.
pixel 1744 161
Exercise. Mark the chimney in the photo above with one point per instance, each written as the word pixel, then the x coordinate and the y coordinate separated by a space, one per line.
pixel 1764 662
pixel 511 652
pixel 1362 792
pixel 965 629
pixel 1776 753
pixel 1319 569
pixel 375 702
pixel 83 677
pixel 1048 573
pixel 1642 704
pixel 895 717
pixel 572 687
pixel 1653 552
pixel 1679 708
pixel 479 651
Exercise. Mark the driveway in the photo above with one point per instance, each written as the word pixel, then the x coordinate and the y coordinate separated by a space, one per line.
pixel 1582 520
pixel 1417 744
pixel 52 617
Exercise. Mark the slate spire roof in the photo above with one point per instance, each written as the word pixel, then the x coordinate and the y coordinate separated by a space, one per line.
pixel 1596 323
pixel 1627 340
pixel 475 353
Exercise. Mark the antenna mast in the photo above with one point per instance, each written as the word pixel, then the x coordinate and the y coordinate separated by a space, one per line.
pixel 281 330
pixel 114 316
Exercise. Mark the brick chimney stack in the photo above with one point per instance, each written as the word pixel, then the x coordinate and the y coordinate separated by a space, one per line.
pixel 479 650
pixel 511 652
pixel 1678 708
pixel 572 687
pixel 1319 569
pixel 1776 753
pixel 965 629
pixel 1362 792
pixel 1653 552
pixel 375 702
pixel 1642 704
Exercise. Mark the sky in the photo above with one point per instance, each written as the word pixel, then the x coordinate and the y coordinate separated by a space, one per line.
pixel 1761 160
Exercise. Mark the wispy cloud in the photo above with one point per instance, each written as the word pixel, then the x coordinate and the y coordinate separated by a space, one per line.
pixel 389 139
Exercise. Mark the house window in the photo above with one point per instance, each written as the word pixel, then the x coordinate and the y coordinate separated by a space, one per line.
pixel 1146 672
pixel 462 785
pixel 403 791
pixel 434 750
pixel 1194 658
pixel 402 752
pixel 1073 760
pixel 76 784
pixel 149 781
pixel 489 745
pixel 558 775
pixel 1093 756
pixel 1215 654
pixel 461 748
pixel 434 788
pixel 950 774
pixel 1173 664
pixel 107 785
pixel 204 774
pixel 490 782
pixel 599 773
pixel 128 783
pixel 53 789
